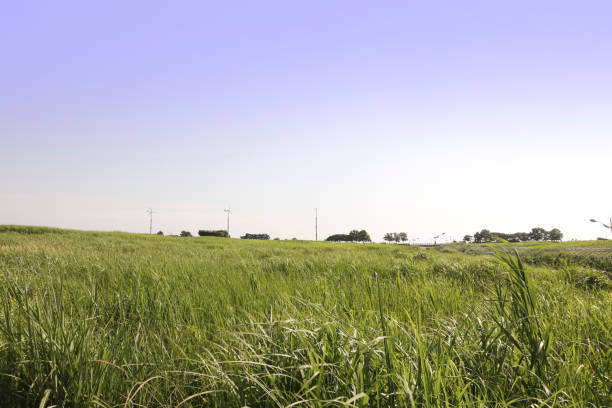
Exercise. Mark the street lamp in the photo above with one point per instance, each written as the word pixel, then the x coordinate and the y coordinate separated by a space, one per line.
pixel 438 236
pixel 609 226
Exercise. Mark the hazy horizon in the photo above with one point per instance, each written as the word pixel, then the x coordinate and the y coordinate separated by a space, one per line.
pixel 389 116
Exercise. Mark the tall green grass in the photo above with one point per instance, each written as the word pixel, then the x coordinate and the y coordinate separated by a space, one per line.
pixel 113 319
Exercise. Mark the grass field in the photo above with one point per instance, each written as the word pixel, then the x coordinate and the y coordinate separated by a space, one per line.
pixel 125 320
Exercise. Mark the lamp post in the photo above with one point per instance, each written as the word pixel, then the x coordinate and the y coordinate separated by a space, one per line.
pixel 609 226
pixel 437 236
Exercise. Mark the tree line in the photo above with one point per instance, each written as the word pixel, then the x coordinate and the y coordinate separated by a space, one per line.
pixel 536 234
pixel 353 236
pixel 482 236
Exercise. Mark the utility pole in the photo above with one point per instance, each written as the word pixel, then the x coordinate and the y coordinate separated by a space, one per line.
pixel 316 224
pixel 228 211
pixel 150 212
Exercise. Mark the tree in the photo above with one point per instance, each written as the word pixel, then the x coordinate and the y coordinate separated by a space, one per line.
pixel 353 236
pixel 213 233
pixel 513 237
pixel 339 238
pixel 483 236
pixel 555 234
pixel 255 236
pixel 395 236
pixel 537 234
pixel 160 233
pixel 467 238
pixel 523 236
pixel 359 236
pixel 185 234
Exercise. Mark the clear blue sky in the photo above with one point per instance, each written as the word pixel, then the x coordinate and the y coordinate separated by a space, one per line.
pixel 445 116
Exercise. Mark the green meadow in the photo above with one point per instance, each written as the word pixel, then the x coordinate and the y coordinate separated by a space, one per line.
pixel 93 319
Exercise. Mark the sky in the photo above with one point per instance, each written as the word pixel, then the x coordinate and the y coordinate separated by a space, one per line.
pixel 423 117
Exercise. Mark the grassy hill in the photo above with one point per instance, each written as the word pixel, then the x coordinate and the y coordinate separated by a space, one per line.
pixel 117 319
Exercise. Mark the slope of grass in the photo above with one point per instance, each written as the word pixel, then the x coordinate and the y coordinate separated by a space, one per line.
pixel 115 319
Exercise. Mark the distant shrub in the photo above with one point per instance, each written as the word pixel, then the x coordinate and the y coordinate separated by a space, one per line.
pixel 255 236
pixel 186 234
pixel 160 233
pixel 213 233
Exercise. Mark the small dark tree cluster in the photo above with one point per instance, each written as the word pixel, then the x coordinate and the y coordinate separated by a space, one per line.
pixel 536 234
pixel 353 236
pixel 186 234
pixel 396 237
pixel 255 236
pixel 211 233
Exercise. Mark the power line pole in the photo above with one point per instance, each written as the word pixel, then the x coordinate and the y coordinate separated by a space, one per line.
pixel 228 211
pixel 150 212
pixel 316 224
